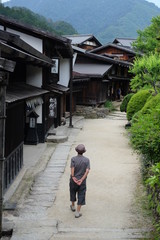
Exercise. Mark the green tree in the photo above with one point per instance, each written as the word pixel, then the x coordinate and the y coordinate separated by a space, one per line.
pixel 147 40
pixel 26 16
pixel 147 72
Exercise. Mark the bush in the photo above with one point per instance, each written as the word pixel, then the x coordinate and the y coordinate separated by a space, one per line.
pixel 123 106
pixel 153 187
pixel 108 104
pixel 136 117
pixel 145 135
pixel 136 102
pixel 151 104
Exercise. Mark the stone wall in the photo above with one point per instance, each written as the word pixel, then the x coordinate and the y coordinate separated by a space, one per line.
pixel 91 112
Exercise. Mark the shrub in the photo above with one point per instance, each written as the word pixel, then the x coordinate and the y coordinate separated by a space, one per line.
pixel 108 104
pixel 145 135
pixel 153 187
pixel 123 106
pixel 136 117
pixel 152 102
pixel 136 102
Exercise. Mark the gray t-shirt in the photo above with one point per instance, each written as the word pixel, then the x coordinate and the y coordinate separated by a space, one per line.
pixel 80 164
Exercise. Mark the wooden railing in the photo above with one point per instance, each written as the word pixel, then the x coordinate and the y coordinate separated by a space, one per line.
pixel 12 165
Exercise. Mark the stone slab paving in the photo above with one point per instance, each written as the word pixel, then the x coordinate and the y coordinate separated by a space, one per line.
pixel 32 221
pixel 100 233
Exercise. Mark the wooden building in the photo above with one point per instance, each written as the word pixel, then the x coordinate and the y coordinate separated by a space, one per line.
pixel 96 78
pixel 116 52
pixel 119 54
pixel 124 42
pixel 124 55
pixel 86 42
pixel 36 94
pixel 60 51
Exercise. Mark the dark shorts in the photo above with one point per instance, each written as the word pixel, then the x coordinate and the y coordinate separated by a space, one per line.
pixel 80 191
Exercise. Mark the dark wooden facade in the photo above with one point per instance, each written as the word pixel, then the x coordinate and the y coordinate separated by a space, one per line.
pixel 22 100
pixel 14 48
pixel 13 149
pixel 119 76
pixel 116 52
pixel 95 88
pixel 92 92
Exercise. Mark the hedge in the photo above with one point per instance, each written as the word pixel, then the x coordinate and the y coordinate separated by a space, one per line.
pixel 152 102
pixel 123 106
pixel 137 102
pixel 145 135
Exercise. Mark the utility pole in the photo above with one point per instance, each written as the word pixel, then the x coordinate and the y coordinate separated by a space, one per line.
pixel 71 92
pixel 5 65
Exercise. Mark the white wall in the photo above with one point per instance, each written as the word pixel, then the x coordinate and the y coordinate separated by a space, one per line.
pixel 33 73
pixel 38 110
pixel 1 27
pixel 34 76
pixel 37 43
pixel 74 58
pixel 64 75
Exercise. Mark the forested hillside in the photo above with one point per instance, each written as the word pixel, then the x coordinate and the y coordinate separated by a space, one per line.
pixel 26 16
pixel 106 19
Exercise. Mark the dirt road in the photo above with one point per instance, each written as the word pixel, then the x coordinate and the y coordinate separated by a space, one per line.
pixel 114 187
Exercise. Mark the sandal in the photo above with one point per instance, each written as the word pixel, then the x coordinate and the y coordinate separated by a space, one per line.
pixel 72 208
pixel 77 215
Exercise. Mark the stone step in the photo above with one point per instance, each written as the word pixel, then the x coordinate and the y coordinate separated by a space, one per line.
pixel 116 118
pixel 38 229
pixel 117 115
pixel 99 233
pixel 57 139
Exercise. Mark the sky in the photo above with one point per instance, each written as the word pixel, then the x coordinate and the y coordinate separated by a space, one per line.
pixel 157 2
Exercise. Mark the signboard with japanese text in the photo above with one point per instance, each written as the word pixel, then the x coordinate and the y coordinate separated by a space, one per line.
pixel 52 107
pixel 55 67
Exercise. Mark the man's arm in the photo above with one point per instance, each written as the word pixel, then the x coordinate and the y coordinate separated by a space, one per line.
pixel 72 171
pixel 79 182
pixel 85 175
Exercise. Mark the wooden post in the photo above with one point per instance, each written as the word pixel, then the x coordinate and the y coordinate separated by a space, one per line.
pixel 9 66
pixel 3 84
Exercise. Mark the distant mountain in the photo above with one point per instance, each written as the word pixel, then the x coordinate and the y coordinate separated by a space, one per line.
pixel 106 19
pixel 26 16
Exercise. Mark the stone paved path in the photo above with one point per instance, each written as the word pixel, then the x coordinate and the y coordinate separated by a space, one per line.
pixel 32 221
pixel 111 211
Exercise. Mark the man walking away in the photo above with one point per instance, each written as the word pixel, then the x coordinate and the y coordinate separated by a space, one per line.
pixel 80 167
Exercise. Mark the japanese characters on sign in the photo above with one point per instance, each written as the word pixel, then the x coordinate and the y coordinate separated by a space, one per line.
pixel 52 107
pixel 55 67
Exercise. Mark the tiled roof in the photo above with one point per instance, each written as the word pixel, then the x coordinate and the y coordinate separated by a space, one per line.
pixel 92 69
pixel 125 42
pixel 80 39
pixel 22 91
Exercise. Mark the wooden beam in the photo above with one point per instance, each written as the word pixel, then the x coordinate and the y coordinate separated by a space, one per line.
pixel 7 65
